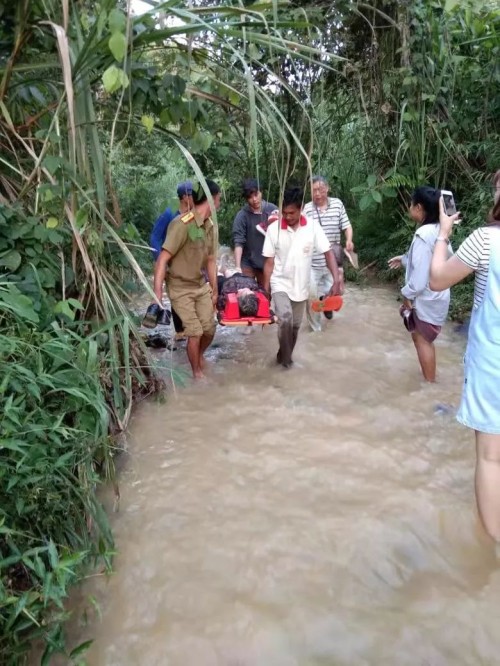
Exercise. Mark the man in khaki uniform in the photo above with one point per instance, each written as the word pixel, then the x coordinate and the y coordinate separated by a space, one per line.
pixel 188 248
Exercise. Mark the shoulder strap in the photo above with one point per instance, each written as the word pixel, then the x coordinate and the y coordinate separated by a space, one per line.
pixel 187 217
pixel 319 216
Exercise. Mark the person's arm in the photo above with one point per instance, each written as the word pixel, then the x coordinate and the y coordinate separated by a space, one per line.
pixel 445 272
pixel 239 238
pixel 398 261
pixel 346 227
pixel 268 252
pixel 267 272
pixel 160 272
pixel 212 277
pixel 349 245
pixel 238 253
pixel 333 267
pixel 322 246
pixel 418 278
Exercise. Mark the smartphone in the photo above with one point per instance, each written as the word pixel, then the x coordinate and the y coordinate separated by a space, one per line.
pixel 449 203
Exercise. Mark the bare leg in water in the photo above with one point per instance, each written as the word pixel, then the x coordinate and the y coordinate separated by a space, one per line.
pixel 205 342
pixel 488 482
pixel 196 347
pixel 426 353
pixel 193 354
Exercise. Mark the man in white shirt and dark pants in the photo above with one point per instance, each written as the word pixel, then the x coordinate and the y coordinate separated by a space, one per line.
pixel 288 249
pixel 330 213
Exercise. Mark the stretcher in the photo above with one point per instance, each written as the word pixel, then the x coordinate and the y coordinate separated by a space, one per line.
pixel 230 316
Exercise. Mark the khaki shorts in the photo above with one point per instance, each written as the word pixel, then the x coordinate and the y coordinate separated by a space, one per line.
pixel 194 307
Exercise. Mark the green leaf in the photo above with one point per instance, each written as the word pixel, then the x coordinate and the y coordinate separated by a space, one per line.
pixel 65 308
pixel 11 260
pixel 254 52
pixel 371 180
pixel 187 129
pixel 234 97
pixel 40 233
pixel 111 79
pixel 19 304
pixel 450 5
pixel 195 232
pixel 148 123
pixel 118 45
pixel 365 202
pixel 13 444
pixel 81 218
pixel 223 151
pixel 117 21
pixel 80 649
pixel 53 557
pixel 75 303
pixel 376 196
pixel 114 78
pixel 101 23
pixel 200 142
pixel 51 163
pixel 52 223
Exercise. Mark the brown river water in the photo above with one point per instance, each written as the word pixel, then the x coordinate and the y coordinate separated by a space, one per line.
pixel 320 516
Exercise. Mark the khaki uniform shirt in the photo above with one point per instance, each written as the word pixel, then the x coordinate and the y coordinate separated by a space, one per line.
pixel 190 240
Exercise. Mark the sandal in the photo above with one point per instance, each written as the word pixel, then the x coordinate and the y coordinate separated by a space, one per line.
pixel 328 304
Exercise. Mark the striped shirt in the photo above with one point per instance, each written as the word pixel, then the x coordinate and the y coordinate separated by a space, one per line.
pixel 333 220
pixel 475 253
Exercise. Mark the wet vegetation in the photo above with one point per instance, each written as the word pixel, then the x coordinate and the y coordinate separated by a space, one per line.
pixel 101 113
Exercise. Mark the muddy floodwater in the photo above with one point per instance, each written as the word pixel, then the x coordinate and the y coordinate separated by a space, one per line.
pixel 320 516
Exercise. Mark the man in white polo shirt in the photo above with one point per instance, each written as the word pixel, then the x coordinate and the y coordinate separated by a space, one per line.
pixel 289 246
pixel 332 216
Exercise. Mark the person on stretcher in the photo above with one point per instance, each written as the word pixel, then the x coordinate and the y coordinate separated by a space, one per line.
pixel 246 289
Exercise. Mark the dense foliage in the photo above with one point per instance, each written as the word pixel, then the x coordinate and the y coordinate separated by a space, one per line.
pixel 101 114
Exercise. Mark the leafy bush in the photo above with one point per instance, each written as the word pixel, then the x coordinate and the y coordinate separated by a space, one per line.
pixel 54 430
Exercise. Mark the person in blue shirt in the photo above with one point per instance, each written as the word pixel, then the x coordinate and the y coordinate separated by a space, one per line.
pixel 159 233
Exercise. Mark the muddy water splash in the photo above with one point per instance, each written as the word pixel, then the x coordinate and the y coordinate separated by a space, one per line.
pixel 319 516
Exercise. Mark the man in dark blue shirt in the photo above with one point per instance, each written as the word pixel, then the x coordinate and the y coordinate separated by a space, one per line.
pixel 159 233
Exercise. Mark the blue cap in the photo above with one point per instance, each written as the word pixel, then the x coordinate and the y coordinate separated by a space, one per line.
pixel 186 187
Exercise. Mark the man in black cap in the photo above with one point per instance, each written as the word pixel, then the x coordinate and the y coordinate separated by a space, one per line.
pixel 249 230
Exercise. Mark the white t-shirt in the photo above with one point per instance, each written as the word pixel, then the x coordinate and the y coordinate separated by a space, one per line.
pixel 293 252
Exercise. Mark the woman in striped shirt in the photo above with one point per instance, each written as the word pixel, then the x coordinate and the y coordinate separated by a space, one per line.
pixel 480 404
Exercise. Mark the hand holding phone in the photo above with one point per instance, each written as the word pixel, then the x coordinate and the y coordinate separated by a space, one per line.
pixel 446 221
pixel 450 206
